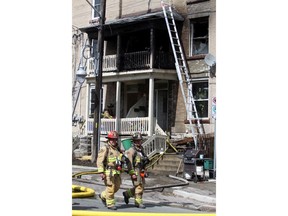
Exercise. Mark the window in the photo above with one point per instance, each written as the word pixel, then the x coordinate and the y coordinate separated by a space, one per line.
pixel 93 104
pixel 200 92
pixel 199 36
pixel 96 4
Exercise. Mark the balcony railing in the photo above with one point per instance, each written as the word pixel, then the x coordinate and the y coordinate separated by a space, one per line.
pixel 109 63
pixel 134 61
pixel 128 125
pixel 137 60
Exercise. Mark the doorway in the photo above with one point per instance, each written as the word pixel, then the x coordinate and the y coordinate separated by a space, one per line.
pixel 161 108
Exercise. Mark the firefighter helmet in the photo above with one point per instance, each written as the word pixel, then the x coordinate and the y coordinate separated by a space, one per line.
pixel 112 135
pixel 137 136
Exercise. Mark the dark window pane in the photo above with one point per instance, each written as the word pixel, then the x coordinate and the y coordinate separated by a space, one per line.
pixel 200 90
pixel 202 108
pixel 92 107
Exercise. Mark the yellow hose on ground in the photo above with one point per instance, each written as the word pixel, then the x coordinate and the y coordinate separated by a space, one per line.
pixel 81 192
pixel 109 213
pixel 85 173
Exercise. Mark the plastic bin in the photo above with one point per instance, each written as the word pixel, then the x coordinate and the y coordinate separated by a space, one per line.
pixel 208 164
pixel 127 143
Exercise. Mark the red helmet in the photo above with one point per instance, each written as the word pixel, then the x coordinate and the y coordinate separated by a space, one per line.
pixel 112 135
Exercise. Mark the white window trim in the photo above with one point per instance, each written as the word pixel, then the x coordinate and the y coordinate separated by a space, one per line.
pixel 203 80
pixel 92 87
pixel 92 11
pixel 191 38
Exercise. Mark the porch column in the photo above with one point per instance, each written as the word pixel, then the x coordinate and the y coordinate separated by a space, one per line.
pixel 152 47
pixel 119 53
pixel 151 105
pixel 118 102
pixel 87 107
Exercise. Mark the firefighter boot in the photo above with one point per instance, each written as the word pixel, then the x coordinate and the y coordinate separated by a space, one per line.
pixel 140 206
pixel 112 207
pixel 103 200
pixel 126 198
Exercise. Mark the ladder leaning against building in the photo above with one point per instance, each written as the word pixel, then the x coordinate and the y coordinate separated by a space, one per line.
pixel 182 72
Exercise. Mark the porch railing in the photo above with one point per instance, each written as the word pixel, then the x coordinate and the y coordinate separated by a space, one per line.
pixel 155 144
pixel 128 125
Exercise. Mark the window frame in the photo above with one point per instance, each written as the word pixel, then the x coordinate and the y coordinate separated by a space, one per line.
pixel 192 37
pixel 206 99
pixel 91 101
pixel 96 4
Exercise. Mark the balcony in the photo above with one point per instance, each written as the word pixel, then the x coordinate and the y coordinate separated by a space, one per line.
pixel 134 61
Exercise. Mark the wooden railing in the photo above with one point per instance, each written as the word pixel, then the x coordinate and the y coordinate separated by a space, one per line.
pixel 128 125
pixel 155 145
pixel 137 60
pixel 134 61
pixel 109 63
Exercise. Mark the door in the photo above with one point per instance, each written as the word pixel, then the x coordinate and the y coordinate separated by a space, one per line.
pixel 161 108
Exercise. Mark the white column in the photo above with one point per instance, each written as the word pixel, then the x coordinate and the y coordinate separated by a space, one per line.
pixel 118 102
pixel 151 105
pixel 104 87
pixel 87 106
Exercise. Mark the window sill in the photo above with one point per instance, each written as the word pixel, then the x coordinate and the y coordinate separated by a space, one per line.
pixel 202 121
pixel 196 57
pixel 188 2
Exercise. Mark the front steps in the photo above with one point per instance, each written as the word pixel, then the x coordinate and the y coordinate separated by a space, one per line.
pixel 167 165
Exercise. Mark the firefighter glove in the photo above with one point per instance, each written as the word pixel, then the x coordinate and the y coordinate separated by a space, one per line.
pixel 134 177
pixel 103 176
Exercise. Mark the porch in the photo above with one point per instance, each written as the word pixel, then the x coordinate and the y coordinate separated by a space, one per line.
pixel 127 126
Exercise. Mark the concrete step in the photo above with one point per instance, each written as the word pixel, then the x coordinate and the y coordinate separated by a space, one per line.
pixel 168 164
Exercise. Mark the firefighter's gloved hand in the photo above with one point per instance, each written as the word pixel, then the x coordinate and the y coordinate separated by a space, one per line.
pixel 134 177
pixel 146 161
pixel 103 176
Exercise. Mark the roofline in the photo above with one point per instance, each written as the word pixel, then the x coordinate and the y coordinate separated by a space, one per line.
pixel 130 20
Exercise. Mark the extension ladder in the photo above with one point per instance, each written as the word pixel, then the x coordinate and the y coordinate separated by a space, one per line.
pixel 182 71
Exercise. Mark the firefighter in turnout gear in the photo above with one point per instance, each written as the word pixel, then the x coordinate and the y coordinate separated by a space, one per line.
pixel 138 160
pixel 110 162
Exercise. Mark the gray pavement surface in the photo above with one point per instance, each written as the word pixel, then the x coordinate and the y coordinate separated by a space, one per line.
pixel 197 197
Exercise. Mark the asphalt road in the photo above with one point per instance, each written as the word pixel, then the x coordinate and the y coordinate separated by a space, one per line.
pixel 193 198
pixel 94 204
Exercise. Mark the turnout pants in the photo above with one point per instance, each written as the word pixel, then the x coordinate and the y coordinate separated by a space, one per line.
pixel 112 186
pixel 136 192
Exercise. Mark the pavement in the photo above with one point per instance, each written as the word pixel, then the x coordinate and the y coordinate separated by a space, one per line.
pixel 160 189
